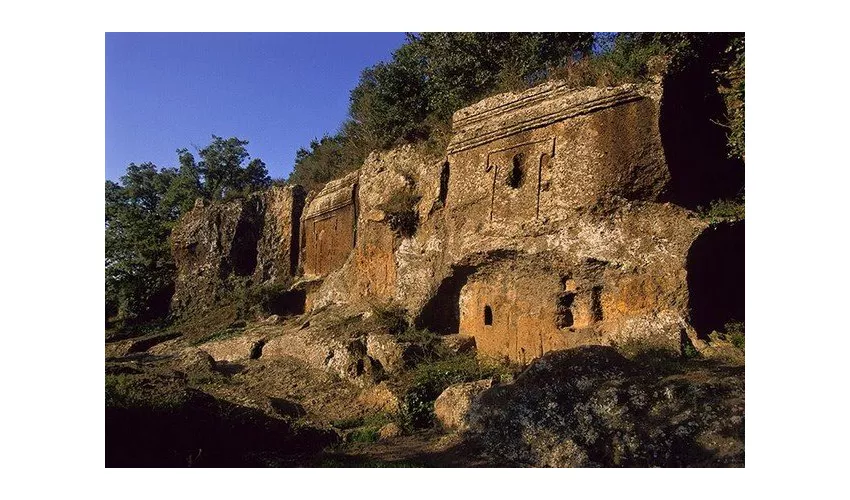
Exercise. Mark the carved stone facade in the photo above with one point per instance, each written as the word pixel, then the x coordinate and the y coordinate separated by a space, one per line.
pixel 329 227
pixel 220 247
pixel 548 224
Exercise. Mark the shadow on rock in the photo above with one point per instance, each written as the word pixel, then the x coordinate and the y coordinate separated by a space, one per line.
pixel 592 407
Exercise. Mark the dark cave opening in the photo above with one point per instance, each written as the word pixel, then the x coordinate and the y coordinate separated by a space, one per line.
pixel 715 268
pixel 695 145
pixel 488 316
pixel 441 313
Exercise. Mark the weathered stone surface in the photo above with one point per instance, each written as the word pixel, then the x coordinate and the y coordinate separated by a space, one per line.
pixel 549 224
pixel 118 349
pixel 141 344
pixel 236 348
pixel 330 342
pixel 389 431
pixel 221 247
pixel 277 248
pixel 196 361
pixel 558 230
pixel 591 407
pixel 452 406
pixel 458 344
pixel 166 348
pixel 272 319
pixel 329 226
pixel 385 349
pixel 379 398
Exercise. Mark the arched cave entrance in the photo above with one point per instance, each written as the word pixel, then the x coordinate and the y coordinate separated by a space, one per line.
pixel 488 316
pixel 715 268
pixel 441 313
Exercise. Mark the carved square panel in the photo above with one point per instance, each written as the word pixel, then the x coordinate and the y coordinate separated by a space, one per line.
pixel 515 173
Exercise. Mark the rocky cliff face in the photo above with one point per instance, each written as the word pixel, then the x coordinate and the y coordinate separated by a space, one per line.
pixel 551 222
pixel 220 248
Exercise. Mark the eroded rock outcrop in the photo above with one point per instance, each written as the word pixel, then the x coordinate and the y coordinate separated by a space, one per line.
pixel 451 408
pixel 546 226
pixel 550 223
pixel 591 407
pixel 220 248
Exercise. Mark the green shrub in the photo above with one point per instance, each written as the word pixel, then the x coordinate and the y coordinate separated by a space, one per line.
pixel 735 333
pixel 364 435
pixel 723 210
pixel 689 351
pixel 623 61
pixel 138 391
pixel 428 380
pixel 732 90
pixel 392 318
pixel 364 429
pixel 401 213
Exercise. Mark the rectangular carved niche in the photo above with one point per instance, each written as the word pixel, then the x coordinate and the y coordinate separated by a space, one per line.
pixel 516 179
pixel 329 230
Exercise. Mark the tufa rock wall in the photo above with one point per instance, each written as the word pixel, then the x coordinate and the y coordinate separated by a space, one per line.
pixel 220 247
pixel 548 224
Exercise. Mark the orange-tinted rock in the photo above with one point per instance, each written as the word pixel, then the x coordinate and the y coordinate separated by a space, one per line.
pixel 329 226
pixel 555 220
pixel 452 406
pixel 218 247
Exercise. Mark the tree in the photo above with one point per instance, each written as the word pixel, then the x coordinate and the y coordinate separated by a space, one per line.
pixel 222 170
pixel 412 97
pixel 139 215
pixel 142 210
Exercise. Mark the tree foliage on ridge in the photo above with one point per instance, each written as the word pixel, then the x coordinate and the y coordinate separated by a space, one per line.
pixel 142 209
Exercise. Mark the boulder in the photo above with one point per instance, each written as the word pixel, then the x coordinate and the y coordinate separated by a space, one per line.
pixel 592 407
pixel 385 349
pixel 271 320
pixel 195 361
pixel 452 406
pixel 458 343
pixel 237 348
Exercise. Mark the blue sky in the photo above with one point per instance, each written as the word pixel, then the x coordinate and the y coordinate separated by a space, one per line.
pixel 166 91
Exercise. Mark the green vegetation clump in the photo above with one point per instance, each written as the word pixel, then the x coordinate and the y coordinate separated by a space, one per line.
pixel 401 213
pixel 129 391
pixel 723 211
pixel 364 429
pixel 429 379
pixel 390 317
pixel 735 333
pixel 411 98
pixel 732 90
pixel 689 351
pixel 142 209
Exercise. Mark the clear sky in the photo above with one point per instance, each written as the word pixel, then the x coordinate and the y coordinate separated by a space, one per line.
pixel 166 91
